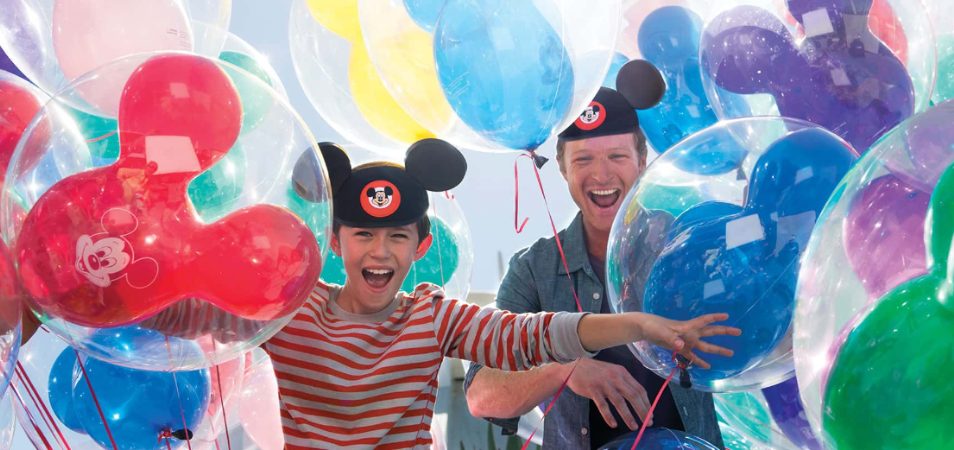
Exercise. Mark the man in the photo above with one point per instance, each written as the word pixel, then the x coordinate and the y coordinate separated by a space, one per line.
pixel 601 156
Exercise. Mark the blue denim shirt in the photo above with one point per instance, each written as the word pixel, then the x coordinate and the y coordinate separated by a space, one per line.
pixel 537 281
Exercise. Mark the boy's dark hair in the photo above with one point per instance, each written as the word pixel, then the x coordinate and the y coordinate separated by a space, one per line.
pixel 423 227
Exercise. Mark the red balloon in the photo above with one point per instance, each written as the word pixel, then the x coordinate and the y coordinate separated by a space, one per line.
pixel 885 24
pixel 17 107
pixel 115 245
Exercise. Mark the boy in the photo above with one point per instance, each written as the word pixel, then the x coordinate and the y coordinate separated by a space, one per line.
pixel 357 366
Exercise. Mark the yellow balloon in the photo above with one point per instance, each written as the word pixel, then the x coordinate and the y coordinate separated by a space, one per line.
pixel 339 16
pixel 407 64
pixel 376 104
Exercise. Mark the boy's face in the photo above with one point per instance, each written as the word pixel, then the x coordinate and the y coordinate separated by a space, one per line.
pixel 376 260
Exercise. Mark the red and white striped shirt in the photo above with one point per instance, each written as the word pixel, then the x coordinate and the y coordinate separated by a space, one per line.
pixel 361 381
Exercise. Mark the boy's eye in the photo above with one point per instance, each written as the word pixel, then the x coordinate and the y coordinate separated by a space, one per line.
pixel 399 236
pixel 363 233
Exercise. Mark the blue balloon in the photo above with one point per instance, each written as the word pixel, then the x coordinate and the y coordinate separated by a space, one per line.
pixel 424 12
pixel 618 61
pixel 61 390
pixel 139 405
pixel 660 438
pixel 717 151
pixel 503 69
pixel 669 38
pixel 744 261
pixel 8 66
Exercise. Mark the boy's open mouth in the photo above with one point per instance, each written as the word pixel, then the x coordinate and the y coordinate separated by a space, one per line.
pixel 377 278
pixel 604 198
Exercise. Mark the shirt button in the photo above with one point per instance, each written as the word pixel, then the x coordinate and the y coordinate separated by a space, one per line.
pixel 584 431
pixel 596 296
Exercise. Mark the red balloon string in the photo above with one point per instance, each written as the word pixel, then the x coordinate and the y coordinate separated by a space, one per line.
pixel 566 266
pixel 99 409
pixel 38 402
pixel 225 419
pixel 100 138
pixel 175 382
pixel 680 365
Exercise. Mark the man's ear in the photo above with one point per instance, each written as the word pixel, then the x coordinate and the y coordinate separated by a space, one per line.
pixel 335 244
pixel 423 247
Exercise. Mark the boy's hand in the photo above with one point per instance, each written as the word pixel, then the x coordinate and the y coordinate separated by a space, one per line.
pixel 686 336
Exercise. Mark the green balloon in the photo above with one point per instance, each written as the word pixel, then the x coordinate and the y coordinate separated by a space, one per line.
pixel 673 199
pixel 746 413
pixel 890 386
pixel 944 89
pixel 101 135
pixel 215 191
pixel 255 99
pixel 437 266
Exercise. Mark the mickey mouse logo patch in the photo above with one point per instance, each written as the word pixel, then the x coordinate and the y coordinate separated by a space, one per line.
pixel 381 199
pixel 593 116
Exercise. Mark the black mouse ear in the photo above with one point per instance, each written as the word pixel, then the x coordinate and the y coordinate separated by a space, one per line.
pixel 337 163
pixel 641 83
pixel 435 164
pixel 307 178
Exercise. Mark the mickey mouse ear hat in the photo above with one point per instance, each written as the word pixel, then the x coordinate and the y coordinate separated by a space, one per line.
pixel 639 85
pixel 383 194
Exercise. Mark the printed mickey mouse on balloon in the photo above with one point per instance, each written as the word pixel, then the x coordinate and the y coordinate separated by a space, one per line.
pixel 117 244
pixel 744 260
pixel 840 76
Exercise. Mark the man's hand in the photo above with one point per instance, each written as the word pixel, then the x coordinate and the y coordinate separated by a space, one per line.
pixel 610 384
pixel 686 336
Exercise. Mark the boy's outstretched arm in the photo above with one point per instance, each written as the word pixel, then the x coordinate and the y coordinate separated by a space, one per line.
pixel 599 331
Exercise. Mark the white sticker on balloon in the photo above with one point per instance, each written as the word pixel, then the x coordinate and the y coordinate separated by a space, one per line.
pixel 743 230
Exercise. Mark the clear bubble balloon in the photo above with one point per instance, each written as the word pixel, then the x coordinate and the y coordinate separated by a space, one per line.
pixel 771 417
pixel 655 438
pixel 518 72
pixel 223 273
pixel 51 399
pixel 54 42
pixel 336 73
pixel 731 246
pixel 871 309
pixel 858 69
pixel 402 53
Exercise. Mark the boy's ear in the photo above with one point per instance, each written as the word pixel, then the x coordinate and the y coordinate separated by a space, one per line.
pixel 335 244
pixel 423 247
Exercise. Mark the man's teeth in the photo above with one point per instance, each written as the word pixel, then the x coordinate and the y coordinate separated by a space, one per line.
pixel 604 192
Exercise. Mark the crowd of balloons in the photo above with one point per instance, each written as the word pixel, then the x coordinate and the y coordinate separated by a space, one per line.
pixel 164 211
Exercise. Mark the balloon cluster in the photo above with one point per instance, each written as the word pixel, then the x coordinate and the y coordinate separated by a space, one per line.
pixel 483 74
pixel 188 179
pixel 734 250
pixel 873 312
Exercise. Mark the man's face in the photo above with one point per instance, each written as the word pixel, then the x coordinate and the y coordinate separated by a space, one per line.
pixel 599 172
pixel 376 260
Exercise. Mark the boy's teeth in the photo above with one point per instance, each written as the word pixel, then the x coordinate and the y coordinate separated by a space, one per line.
pixel 604 192
pixel 379 271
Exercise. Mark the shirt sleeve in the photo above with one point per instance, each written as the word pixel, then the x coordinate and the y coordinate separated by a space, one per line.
pixel 193 318
pixel 506 340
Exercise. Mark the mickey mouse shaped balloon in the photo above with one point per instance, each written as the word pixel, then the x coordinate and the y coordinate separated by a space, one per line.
pixel 114 245
pixel 744 260
pixel 840 76
pixel 893 372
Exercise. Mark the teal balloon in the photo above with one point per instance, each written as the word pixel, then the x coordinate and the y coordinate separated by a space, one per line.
pixel 944 89
pixel 101 135
pixel 255 99
pixel 437 266
pixel 215 191
pixel 307 197
pixel 672 199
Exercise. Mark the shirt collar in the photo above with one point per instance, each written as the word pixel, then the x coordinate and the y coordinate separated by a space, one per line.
pixel 574 246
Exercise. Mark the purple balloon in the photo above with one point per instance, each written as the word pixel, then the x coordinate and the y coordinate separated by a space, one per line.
pixel 850 83
pixel 786 406
pixel 884 234
pixel 7 65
